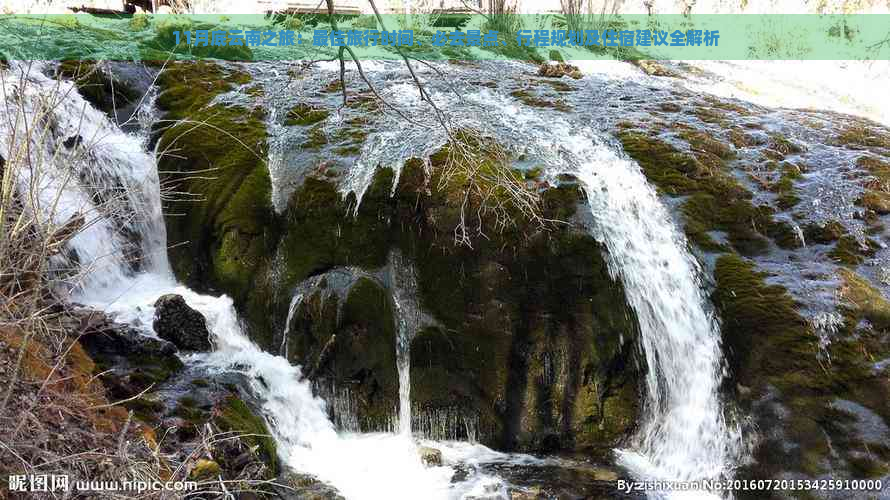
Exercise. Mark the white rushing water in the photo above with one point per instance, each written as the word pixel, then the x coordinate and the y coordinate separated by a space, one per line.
pixel 684 436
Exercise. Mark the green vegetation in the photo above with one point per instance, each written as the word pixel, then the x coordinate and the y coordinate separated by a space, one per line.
pixel 528 98
pixel 862 135
pixel 213 161
pixel 234 415
pixel 717 201
pixel 304 114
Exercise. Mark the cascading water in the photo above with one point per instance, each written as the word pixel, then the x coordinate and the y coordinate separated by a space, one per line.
pixel 684 435
pixel 369 466
pixel 404 285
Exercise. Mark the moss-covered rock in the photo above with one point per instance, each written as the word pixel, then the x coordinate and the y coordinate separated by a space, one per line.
pixel 774 353
pixel 491 359
pixel 717 201
pixel 864 301
pixel 221 226
pixel 510 307
pixel 233 415
pixel 98 86
pixel 850 251
pixel 304 114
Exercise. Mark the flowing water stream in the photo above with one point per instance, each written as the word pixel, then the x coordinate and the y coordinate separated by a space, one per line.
pixel 374 466
pixel 120 266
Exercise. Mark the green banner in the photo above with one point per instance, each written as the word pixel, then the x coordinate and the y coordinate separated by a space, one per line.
pixel 451 36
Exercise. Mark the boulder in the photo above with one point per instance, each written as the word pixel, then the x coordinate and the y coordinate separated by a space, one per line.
pixel 558 70
pixel 430 457
pixel 102 337
pixel 177 322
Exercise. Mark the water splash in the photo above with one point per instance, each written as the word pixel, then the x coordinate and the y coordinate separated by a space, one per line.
pixel 684 435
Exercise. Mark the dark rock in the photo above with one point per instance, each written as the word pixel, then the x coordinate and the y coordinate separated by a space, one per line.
pixel 102 337
pixel 177 322
pixel 558 70
pixel 304 487
pixel 73 141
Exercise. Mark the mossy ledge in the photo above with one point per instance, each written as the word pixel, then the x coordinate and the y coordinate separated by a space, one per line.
pixel 792 387
pixel 221 225
pixel 716 200
pixel 509 306
pixel 557 305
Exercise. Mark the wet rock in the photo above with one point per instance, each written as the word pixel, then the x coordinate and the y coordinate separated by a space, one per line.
pixel 877 201
pixel 98 85
pixel 305 487
pixel 558 70
pixel 73 141
pixel 102 337
pixel 533 493
pixel 430 457
pixel 653 68
pixel 177 322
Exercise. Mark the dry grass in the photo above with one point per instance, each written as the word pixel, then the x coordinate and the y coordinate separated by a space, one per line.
pixel 491 193
pixel 55 417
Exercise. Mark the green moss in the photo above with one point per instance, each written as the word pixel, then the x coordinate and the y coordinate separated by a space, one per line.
pixel 705 143
pixel 709 115
pixel 364 353
pixel 753 312
pixel 235 416
pixel 784 187
pixel 530 99
pixel 727 106
pixel 826 233
pixel 153 370
pixel 737 217
pixel 672 171
pixel 99 88
pixel 848 250
pixel 221 225
pixel 864 301
pixel 304 114
pixel 861 135
pixel 670 107
pixel 741 139
pixel 316 138
pixel 145 409
pixel 875 200
pixel 187 411
pixel 557 85
pixel 783 147
pixel 880 169
pixel 206 470
pixel 771 348
pixel 718 202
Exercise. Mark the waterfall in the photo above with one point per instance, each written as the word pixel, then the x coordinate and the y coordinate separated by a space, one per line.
pixel 295 302
pixel 684 435
pixel 107 160
pixel 404 289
